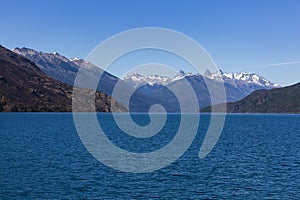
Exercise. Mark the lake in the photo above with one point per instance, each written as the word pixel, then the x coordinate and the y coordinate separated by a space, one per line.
pixel 256 157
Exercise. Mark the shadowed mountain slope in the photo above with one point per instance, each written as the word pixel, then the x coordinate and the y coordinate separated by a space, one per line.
pixel 279 100
pixel 24 87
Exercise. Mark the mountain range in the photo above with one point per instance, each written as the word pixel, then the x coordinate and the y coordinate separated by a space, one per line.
pixel 151 89
pixel 237 85
pixel 25 87
pixel 279 100
pixel 242 78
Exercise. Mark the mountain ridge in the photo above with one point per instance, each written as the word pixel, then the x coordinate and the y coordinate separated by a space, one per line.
pixel 24 87
pixel 137 79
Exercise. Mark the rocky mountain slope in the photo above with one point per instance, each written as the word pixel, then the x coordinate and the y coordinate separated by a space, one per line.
pixel 24 87
pixel 279 100
pixel 65 70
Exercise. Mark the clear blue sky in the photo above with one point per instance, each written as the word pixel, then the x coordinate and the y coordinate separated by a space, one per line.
pixel 240 35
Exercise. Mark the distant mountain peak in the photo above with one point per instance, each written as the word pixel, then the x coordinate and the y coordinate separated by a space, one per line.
pixel 220 72
pixel 181 73
pixel 74 59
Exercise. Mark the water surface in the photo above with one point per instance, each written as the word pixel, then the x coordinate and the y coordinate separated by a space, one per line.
pixel 256 157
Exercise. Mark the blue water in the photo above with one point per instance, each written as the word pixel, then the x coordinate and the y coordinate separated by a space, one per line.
pixel 256 157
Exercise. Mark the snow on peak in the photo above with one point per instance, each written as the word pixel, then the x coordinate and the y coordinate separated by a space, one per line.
pixel 136 79
pixel 249 78
pixel 30 53
pixel 220 72
pixel 74 59
pixel 25 51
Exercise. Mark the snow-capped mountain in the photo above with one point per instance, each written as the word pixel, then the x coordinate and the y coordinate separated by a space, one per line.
pixel 244 78
pixel 247 78
pixel 136 79
pixel 237 85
